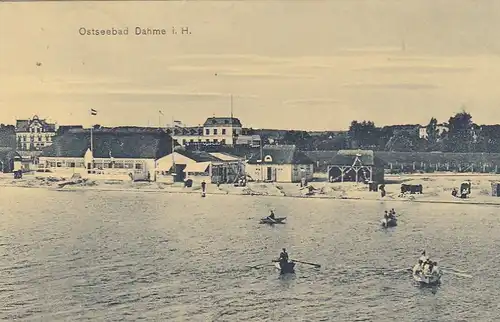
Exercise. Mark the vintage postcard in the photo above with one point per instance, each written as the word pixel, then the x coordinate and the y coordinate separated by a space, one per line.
pixel 253 160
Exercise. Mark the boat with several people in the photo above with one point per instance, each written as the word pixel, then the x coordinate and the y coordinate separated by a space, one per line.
pixel 426 271
pixel 389 219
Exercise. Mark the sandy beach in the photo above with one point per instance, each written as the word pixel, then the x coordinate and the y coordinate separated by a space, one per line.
pixel 437 187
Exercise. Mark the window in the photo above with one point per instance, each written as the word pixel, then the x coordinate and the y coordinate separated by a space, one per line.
pixel 223 131
pixel 223 141
pixel 71 164
pixel 207 131
pixel 268 158
pixel 138 166
pixel 191 140
pixel 184 141
pixel 207 140
pixel 216 140
pixel 215 131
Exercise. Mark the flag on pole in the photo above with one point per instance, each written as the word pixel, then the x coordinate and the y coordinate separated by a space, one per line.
pixel 160 112
pixel 93 112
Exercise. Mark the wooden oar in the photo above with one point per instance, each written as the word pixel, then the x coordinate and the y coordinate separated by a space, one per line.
pixel 258 265
pixel 454 269
pixel 457 274
pixel 312 264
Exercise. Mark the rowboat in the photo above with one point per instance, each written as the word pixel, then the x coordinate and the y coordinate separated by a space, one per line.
pixel 390 222
pixel 427 279
pixel 287 269
pixel 277 220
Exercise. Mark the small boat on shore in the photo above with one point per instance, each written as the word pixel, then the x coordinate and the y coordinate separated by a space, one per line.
pixel 270 221
pixel 389 222
pixel 289 268
pixel 426 279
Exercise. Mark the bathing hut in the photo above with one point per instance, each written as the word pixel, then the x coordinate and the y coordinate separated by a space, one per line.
pixel 356 166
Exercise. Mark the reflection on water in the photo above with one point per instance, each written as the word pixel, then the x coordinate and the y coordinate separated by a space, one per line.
pixel 118 256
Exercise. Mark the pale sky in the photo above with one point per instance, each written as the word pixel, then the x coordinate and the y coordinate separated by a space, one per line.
pixel 313 65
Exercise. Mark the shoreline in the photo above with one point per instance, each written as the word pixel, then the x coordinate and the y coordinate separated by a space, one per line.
pixel 437 189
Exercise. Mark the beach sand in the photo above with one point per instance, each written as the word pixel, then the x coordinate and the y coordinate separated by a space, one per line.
pixel 437 187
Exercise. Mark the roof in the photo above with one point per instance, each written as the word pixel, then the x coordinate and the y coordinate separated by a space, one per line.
pixel 24 125
pixel 199 156
pixel 224 156
pixel 197 167
pixel 195 130
pixel 8 153
pixel 347 157
pixel 117 144
pixel 280 154
pixel 222 121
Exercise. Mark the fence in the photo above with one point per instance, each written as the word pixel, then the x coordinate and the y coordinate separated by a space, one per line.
pixel 408 162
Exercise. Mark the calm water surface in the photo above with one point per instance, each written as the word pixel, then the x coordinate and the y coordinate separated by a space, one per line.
pixel 128 256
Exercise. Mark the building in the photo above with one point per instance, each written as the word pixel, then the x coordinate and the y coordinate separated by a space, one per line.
pixel 188 135
pixel 222 129
pixel 440 128
pixel 117 153
pixel 199 166
pixel 280 163
pixel 10 160
pixel 34 134
pixel 355 166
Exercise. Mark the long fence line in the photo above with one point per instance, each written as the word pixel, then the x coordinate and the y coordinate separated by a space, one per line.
pixel 397 162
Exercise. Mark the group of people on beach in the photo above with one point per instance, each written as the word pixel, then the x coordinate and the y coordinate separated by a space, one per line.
pixel 391 214
pixel 426 266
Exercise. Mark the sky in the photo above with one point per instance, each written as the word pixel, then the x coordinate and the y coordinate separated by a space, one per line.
pixel 311 65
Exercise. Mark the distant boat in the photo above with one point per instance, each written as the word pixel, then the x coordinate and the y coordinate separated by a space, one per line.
pixel 270 221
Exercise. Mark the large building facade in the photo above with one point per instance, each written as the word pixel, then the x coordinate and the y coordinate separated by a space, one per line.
pixel 216 131
pixel 34 134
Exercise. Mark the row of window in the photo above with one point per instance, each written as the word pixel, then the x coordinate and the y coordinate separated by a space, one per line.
pixel 32 138
pixel 28 146
pixel 185 141
pixel 98 165
pixel 216 131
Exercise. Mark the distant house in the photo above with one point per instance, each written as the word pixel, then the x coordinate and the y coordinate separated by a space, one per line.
pixel 280 163
pixel 222 129
pixel 34 134
pixel 355 166
pixel 440 128
pixel 10 160
pixel 117 153
pixel 199 166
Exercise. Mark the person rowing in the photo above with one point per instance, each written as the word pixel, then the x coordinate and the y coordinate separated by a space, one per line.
pixel 271 215
pixel 283 257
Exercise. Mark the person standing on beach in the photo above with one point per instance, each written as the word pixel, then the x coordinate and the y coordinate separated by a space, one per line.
pixel 203 185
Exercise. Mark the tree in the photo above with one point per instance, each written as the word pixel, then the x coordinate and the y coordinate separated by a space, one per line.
pixel 299 138
pixel 363 134
pixel 460 135
pixel 432 131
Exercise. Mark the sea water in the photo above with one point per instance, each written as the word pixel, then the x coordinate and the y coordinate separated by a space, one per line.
pixel 131 256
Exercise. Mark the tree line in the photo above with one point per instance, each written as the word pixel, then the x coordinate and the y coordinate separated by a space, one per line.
pixel 459 134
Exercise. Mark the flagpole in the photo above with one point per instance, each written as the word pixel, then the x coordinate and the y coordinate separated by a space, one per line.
pixel 174 172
